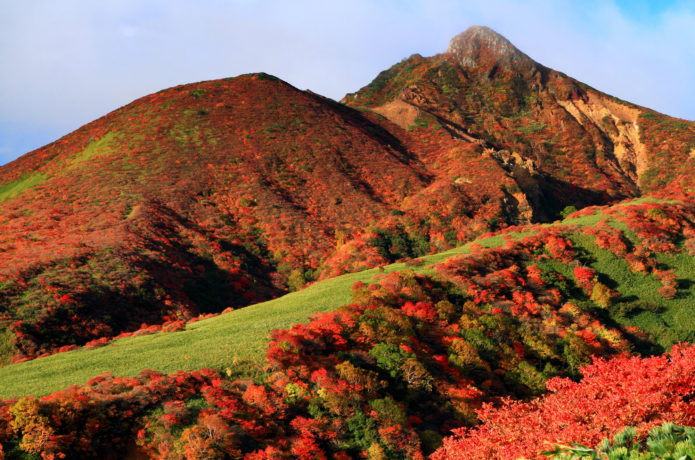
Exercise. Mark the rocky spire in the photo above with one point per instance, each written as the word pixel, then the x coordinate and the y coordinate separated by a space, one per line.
pixel 481 46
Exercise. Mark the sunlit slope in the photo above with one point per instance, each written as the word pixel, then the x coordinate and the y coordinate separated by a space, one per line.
pixel 236 337
pixel 222 194
pixel 229 192
pixel 236 341
pixel 179 202
pixel 560 138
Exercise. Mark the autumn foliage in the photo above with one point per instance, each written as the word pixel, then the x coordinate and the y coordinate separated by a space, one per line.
pixel 613 394
pixel 224 193
pixel 220 194
pixel 408 361
pixel 207 197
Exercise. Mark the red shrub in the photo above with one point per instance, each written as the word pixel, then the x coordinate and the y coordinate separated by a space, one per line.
pixel 96 343
pixel 625 391
pixel 585 278
pixel 174 326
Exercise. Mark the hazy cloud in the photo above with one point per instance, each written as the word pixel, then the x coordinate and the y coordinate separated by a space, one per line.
pixel 66 63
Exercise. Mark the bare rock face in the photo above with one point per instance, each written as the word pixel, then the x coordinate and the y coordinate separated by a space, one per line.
pixel 399 112
pixel 481 46
pixel 619 123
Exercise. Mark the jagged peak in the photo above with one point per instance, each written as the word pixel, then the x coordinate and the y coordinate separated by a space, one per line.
pixel 480 42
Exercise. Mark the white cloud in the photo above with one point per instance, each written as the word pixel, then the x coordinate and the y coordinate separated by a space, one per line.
pixel 66 63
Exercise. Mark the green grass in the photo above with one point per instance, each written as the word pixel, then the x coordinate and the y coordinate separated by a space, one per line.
pixel 94 149
pixel 11 189
pixel 598 216
pixel 675 322
pixel 237 341
pixel 222 342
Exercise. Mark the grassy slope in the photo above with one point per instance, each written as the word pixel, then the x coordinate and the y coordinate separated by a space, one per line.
pixel 220 342
pixel 14 188
pixel 234 340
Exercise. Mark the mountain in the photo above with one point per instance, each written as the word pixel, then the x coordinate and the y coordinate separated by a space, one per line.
pixel 203 197
pixel 223 193
pixel 562 141
pixel 500 331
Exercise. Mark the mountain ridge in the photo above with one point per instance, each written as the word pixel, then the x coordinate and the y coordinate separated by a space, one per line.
pixel 515 105
pixel 465 236
pixel 253 187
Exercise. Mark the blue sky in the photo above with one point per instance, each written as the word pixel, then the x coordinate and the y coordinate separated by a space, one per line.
pixel 66 63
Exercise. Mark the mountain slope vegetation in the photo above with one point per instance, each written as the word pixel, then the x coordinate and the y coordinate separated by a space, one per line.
pixel 635 302
pixel 434 266
pixel 224 193
pixel 429 341
pixel 560 139
pixel 190 201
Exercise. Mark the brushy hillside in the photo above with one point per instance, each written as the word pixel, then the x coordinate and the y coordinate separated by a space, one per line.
pixel 636 269
pixel 558 137
pixel 443 298
pixel 225 193
pixel 220 194
pixel 235 340
pixel 625 392
pixel 417 350
pixel 207 196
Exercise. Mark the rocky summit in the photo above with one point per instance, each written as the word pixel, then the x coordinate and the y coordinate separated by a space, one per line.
pixel 480 45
